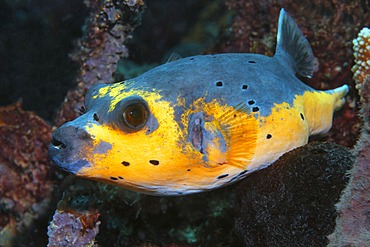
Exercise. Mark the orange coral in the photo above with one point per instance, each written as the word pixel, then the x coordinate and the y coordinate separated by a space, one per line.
pixel 361 47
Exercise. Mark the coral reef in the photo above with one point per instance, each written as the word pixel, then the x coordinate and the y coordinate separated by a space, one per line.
pixel 352 228
pixel 291 203
pixel 26 173
pixel 76 221
pixel 100 49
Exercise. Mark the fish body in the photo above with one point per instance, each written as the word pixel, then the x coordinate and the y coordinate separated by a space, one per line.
pixel 200 122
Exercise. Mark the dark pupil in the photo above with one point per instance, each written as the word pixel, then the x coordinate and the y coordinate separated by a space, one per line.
pixel 135 115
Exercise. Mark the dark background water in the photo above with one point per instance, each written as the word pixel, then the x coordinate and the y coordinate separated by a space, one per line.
pixel 37 37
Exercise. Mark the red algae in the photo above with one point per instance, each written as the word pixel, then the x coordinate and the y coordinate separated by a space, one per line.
pixel 26 172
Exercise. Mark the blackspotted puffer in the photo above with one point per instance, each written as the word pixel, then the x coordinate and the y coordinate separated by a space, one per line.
pixel 200 122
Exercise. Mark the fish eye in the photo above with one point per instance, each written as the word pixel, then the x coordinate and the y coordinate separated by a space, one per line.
pixel 135 116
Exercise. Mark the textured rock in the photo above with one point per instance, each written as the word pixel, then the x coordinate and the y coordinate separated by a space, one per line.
pixel 292 202
pixel 67 229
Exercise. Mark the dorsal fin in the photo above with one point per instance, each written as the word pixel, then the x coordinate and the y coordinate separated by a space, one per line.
pixel 293 46
pixel 173 57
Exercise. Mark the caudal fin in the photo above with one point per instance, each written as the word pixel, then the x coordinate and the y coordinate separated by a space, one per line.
pixel 319 107
pixel 340 94
pixel 293 47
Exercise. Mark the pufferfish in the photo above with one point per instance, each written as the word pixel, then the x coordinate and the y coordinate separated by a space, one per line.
pixel 198 123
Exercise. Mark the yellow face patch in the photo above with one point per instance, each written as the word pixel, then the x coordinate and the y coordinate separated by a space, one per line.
pixel 165 159
pixel 117 92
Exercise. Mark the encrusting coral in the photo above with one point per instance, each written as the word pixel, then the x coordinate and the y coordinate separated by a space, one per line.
pixel 361 69
pixel 68 229
pixel 100 49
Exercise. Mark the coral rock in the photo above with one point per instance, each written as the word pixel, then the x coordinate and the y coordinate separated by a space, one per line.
pixel 67 229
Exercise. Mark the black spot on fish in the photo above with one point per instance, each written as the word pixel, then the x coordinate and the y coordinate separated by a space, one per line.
pixel 120 177
pixel 244 86
pixel 302 116
pixel 113 178
pixel 125 163
pixel 235 115
pixel 243 172
pixel 251 61
pixel 222 176
pixel 83 110
pixel 255 109
pixel 188 170
pixel 268 136
pixel 96 117
pixel 154 162
pixel 219 84
pixel 251 102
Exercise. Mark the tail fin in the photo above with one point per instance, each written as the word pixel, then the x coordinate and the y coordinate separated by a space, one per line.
pixel 293 47
pixel 339 92
pixel 319 107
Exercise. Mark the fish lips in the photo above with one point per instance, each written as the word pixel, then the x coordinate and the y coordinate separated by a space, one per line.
pixel 65 148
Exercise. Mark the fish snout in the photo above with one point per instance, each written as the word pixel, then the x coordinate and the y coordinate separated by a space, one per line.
pixel 66 148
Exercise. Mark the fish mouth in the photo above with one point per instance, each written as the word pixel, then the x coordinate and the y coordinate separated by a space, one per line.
pixel 65 149
pixel 57 145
